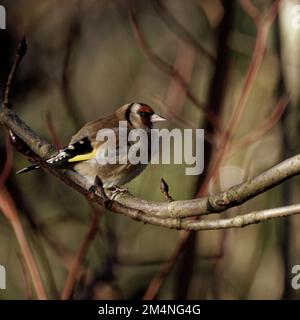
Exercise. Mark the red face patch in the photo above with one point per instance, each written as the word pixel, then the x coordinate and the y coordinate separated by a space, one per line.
pixel 145 112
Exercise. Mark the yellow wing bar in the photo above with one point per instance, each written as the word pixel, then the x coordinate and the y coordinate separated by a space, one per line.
pixel 83 157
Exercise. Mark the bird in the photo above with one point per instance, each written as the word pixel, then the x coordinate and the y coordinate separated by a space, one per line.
pixel 80 155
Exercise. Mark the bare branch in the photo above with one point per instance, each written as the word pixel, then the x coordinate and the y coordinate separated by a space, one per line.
pixel 244 220
pixel 266 126
pixel 8 208
pixel 70 102
pixel 8 162
pixel 167 68
pixel 166 214
pixel 153 212
pixel 75 268
pixel 252 11
pixel 238 110
pixel 179 30
pixel 166 268
pixel 8 88
pixel 51 129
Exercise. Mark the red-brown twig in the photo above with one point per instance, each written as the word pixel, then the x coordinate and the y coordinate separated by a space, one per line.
pixel 70 102
pixel 176 95
pixel 265 127
pixel 8 162
pixel 179 30
pixel 256 62
pixel 77 264
pixel 174 101
pixel 26 277
pixel 157 281
pixel 8 208
pixel 263 28
pixel 257 57
pixel 7 204
pixel 52 131
pixel 225 138
pixel 167 68
pixel 252 11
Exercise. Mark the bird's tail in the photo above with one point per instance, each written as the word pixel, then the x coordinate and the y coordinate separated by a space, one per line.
pixel 27 169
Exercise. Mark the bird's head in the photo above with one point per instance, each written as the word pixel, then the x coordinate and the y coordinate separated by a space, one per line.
pixel 141 116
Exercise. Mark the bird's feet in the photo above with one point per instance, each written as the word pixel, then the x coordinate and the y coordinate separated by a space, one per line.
pixel 107 194
pixel 97 189
pixel 115 191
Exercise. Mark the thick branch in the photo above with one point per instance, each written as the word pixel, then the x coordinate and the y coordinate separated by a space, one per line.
pixel 166 214
pixel 152 212
pixel 219 202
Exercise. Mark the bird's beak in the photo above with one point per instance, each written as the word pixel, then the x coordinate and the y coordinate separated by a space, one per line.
pixel 156 118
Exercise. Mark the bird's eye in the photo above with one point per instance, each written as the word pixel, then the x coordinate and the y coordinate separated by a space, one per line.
pixel 143 114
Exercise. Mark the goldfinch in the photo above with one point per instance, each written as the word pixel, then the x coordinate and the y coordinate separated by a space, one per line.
pixel 83 148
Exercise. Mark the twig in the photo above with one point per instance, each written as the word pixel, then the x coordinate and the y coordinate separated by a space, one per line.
pixel 8 208
pixel 152 212
pixel 176 96
pixel 184 63
pixel 156 282
pixel 235 222
pixel 8 162
pixel 178 120
pixel 164 188
pixel 67 94
pixel 246 219
pixel 252 11
pixel 21 51
pixel 6 202
pixel 217 265
pixel 287 228
pixel 27 285
pixel 76 266
pixel 257 58
pixel 266 126
pixel 136 208
pixel 179 30
pixel 167 68
pixel 54 136
pixel 220 156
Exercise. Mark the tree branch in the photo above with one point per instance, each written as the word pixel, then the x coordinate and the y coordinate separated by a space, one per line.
pixel 166 214
pixel 167 68
pixel 77 264
pixel 9 210
pixel 150 211
pixel 180 30
pixel 21 51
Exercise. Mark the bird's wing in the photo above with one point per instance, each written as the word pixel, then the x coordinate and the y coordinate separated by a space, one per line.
pixel 83 144
pixel 91 129
pixel 80 150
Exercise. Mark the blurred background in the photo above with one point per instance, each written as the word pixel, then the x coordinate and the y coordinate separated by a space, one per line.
pixel 87 58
